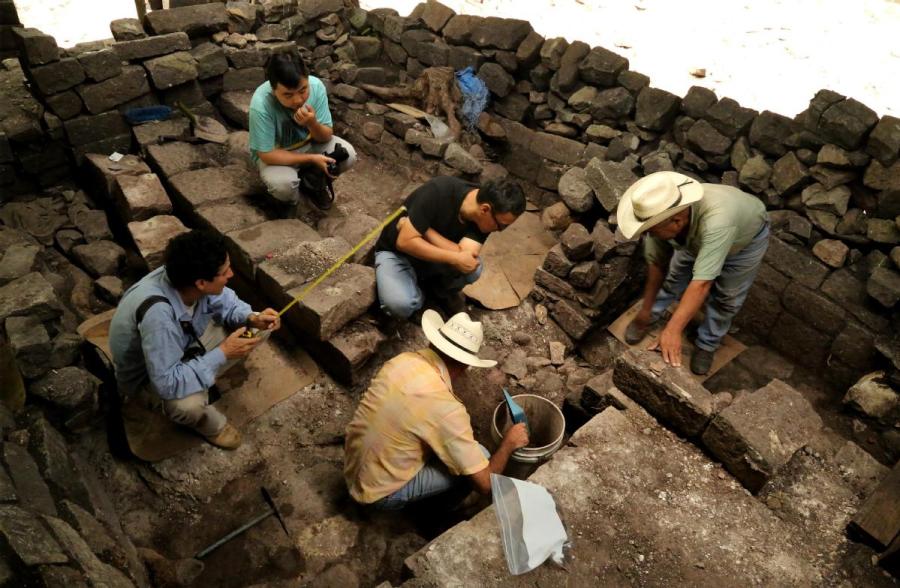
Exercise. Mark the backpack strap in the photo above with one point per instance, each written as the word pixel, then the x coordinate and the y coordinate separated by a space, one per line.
pixel 145 306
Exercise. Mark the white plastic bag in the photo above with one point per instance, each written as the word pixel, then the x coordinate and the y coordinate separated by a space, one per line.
pixel 529 524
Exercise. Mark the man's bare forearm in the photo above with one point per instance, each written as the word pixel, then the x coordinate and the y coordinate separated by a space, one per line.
pixel 441 241
pixel 655 276
pixel 420 248
pixel 320 133
pixel 284 157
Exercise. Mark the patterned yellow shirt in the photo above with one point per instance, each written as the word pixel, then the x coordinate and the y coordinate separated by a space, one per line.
pixel 408 413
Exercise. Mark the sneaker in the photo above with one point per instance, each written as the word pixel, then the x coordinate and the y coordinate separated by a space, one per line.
pixel 228 438
pixel 701 361
pixel 321 199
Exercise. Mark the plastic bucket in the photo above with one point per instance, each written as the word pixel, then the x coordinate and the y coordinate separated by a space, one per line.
pixel 546 426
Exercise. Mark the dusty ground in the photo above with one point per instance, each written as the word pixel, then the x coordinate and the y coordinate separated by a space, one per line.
pixel 767 54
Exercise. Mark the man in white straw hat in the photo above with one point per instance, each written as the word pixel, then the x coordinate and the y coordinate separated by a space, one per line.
pixel 411 437
pixel 712 238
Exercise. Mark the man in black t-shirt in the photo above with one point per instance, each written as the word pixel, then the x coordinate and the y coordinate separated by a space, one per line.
pixel 438 241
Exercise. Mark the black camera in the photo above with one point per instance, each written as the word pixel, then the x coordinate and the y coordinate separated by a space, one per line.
pixel 338 155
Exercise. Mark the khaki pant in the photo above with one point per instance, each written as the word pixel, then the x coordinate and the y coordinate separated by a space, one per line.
pixel 283 181
pixel 194 410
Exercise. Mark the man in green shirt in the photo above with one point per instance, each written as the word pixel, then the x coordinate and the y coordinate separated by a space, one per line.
pixel 290 130
pixel 712 238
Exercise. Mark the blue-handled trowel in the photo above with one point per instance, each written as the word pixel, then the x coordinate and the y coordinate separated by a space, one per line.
pixel 515 411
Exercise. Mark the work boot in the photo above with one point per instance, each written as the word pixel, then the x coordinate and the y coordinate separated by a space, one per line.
pixel 635 333
pixel 228 438
pixel 701 361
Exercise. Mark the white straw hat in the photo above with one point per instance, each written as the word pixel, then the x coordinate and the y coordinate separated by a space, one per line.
pixel 654 198
pixel 460 337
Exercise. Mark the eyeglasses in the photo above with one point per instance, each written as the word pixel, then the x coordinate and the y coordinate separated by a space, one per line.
pixel 500 226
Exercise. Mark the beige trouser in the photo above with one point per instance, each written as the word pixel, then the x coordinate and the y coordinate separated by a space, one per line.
pixel 194 410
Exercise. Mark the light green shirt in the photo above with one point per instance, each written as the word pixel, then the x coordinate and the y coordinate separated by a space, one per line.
pixel 723 222
pixel 272 125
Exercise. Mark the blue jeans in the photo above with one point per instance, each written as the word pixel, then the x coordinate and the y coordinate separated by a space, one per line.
pixel 432 479
pixel 727 294
pixel 398 282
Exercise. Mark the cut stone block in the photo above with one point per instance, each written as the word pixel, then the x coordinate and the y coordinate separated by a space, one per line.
pixel 97 572
pixel 171 159
pixel 52 457
pixel 795 262
pixel 348 350
pixel 193 189
pixel 202 19
pixel 149 133
pixel 569 316
pixel 352 229
pixel 252 245
pixel 296 265
pixel 100 258
pixel 668 393
pixel 31 295
pixel 759 432
pixel 30 345
pixel 342 297
pixel 171 70
pixel 18 260
pixel 140 49
pixel 236 107
pixel 89 129
pixel 100 65
pixel 140 197
pixel 58 76
pixel 153 235
pixel 225 218
pixel 28 538
pixel 609 180
pixel 26 477
pixel 102 96
pixel 102 172
pixel 37 47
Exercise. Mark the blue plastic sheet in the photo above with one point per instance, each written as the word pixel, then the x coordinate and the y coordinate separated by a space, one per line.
pixel 147 113
pixel 475 95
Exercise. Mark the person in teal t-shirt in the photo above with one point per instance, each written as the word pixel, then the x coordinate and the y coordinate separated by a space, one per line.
pixel 704 245
pixel 291 130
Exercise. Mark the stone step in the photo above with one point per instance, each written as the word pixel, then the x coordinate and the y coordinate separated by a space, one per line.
pixel 639 505
pixel 153 235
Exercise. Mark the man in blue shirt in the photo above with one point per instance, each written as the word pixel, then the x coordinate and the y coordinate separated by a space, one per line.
pixel 164 336
pixel 291 130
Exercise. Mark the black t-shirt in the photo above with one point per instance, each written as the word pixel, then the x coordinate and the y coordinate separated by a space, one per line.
pixel 435 205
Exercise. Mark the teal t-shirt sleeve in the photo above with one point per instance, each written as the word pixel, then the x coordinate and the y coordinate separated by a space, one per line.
pixel 656 252
pixel 318 99
pixel 262 131
pixel 714 248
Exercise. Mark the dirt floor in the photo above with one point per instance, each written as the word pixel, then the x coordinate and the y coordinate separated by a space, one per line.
pixel 179 506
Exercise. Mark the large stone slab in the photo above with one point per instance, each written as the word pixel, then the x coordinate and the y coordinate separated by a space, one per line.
pixel 100 258
pixel 347 351
pixel 670 394
pixel 609 181
pixel 52 456
pixel 139 197
pixel 225 218
pixel 236 107
pixel 153 235
pixel 37 48
pixel 171 70
pixel 760 431
pixel 795 262
pixel 171 159
pixel 32 295
pixel 30 486
pixel 58 76
pixel 203 19
pixel 193 189
pixel 30 345
pixel 342 297
pixel 639 508
pixel 89 129
pixel 97 572
pixel 140 49
pixel 556 148
pixel 252 245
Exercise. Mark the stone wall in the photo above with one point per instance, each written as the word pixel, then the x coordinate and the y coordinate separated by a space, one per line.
pixel 573 122
pixel 9 18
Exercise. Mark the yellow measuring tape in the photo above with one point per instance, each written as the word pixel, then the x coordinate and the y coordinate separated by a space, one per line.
pixel 341 261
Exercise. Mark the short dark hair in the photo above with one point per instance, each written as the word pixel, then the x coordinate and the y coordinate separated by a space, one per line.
pixel 196 255
pixel 503 196
pixel 286 69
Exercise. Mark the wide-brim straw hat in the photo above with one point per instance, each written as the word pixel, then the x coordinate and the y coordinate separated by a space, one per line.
pixel 460 337
pixel 654 198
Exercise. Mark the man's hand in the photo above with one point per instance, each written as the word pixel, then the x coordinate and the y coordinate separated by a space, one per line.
pixel 305 115
pixel 321 161
pixel 267 320
pixel 516 437
pixel 235 347
pixel 465 262
pixel 669 344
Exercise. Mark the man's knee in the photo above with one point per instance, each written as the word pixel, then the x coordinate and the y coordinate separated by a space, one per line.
pixel 186 411
pixel 401 307
pixel 284 190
